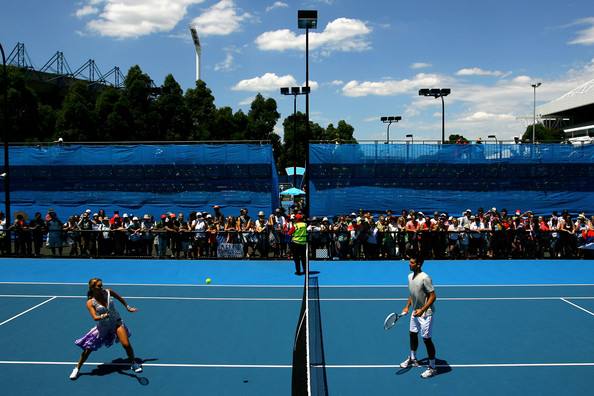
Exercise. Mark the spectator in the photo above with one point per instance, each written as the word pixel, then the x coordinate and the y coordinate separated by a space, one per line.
pixel 38 230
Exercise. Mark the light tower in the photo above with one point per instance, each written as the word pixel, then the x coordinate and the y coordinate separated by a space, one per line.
pixel 198 50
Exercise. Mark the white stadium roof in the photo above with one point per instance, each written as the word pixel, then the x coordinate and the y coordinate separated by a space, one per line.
pixel 578 97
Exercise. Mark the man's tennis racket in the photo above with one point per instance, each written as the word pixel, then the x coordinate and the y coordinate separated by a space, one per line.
pixel 391 320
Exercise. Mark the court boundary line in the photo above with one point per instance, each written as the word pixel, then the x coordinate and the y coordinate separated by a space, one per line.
pixel 297 286
pixel 176 298
pixel 288 366
pixel 28 310
pixel 577 306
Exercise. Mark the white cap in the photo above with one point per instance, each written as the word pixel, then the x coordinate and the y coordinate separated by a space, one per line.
pixel 325 219
pixel 88 210
pixel 134 218
pixel 260 213
pixel 208 216
pixel 125 215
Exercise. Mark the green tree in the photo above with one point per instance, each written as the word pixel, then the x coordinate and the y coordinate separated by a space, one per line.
pixel 105 106
pixel 543 134
pixel 263 116
pixel 455 138
pixel 174 115
pixel 200 104
pixel 22 108
pixel 343 133
pixel 296 140
pixel 139 92
pixel 76 120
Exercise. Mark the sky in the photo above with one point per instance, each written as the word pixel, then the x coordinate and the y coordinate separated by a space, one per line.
pixel 368 59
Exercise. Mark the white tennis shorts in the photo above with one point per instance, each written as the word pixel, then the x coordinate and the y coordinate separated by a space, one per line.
pixel 421 324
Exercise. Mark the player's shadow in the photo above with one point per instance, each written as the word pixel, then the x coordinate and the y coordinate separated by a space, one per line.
pixel 443 366
pixel 120 366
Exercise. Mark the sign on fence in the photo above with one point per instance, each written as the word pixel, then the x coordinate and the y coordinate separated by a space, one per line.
pixel 230 250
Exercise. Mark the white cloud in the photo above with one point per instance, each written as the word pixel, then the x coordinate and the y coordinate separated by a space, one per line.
pixel 586 36
pixel 336 82
pixel 276 4
pixel 484 116
pixel 477 71
pixel 271 82
pixel 135 18
pixel 313 85
pixel 226 65
pixel 267 82
pixel 247 101
pixel 86 10
pixel 221 19
pixel 420 65
pixel 342 34
pixel 390 87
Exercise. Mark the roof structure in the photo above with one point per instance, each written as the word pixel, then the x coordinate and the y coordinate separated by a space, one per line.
pixel 578 97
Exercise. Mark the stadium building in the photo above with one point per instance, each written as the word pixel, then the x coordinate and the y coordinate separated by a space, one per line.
pixel 573 112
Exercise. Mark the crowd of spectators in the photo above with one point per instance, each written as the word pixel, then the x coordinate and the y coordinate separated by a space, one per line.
pixel 362 235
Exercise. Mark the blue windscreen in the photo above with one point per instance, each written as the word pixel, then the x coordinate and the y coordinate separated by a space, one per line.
pixel 450 178
pixel 143 179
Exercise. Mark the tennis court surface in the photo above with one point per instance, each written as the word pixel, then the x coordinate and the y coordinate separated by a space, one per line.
pixel 501 327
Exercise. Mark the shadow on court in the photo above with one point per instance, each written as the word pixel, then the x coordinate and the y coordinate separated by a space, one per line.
pixel 119 366
pixel 443 366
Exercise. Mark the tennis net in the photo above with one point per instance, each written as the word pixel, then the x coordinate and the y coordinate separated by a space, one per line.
pixel 309 365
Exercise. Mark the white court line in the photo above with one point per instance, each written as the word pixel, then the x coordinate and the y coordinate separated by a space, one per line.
pixel 293 286
pixel 299 299
pixel 151 364
pixel 339 366
pixel 30 309
pixel 288 366
pixel 577 306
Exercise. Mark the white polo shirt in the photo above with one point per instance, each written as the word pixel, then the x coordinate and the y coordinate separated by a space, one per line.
pixel 419 289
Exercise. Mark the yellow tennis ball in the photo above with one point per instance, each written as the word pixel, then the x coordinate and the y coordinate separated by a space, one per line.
pixel 208 280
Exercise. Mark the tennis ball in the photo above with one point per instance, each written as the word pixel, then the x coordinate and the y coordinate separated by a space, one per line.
pixel 208 280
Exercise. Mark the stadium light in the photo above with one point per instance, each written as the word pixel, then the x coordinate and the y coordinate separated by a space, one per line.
pixel 295 91
pixel 534 113
pixel 438 93
pixel 6 163
pixel 307 19
pixel 389 120
pixel 492 137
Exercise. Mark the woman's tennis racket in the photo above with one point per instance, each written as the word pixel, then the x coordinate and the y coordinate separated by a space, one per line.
pixel 391 320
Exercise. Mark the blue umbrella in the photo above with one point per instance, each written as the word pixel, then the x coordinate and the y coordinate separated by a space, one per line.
pixel 293 191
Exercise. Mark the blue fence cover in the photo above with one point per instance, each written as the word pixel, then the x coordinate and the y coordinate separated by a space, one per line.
pixel 141 179
pixel 450 178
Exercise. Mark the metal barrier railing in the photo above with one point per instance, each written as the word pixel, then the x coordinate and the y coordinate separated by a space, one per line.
pixel 275 244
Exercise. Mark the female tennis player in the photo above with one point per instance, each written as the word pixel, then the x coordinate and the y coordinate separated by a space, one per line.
pixel 421 298
pixel 109 327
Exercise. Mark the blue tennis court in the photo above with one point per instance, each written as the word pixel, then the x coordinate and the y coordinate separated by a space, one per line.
pixel 501 327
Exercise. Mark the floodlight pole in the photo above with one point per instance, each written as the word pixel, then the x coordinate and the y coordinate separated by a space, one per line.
pixel 295 141
pixel 534 113
pixel 389 121
pixel 438 93
pixel 442 120
pixel 307 132
pixel 6 163
pixel 307 19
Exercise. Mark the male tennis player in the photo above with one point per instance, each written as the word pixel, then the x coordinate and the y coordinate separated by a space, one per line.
pixel 421 298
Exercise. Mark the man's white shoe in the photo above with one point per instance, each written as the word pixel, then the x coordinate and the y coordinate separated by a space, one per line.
pixel 74 373
pixel 137 368
pixel 409 362
pixel 430 372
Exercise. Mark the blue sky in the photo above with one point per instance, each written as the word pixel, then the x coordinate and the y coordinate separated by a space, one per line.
pixel 367 58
